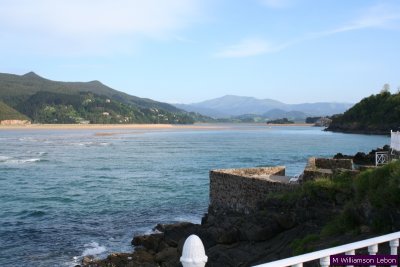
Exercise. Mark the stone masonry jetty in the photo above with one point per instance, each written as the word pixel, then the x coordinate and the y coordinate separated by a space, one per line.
pixel 241 190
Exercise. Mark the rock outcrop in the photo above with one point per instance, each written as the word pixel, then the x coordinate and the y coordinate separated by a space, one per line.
pixel 230 239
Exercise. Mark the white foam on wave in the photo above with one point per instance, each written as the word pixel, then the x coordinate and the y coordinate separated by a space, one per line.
pixel 151 231
pixel 104 144
pixel 89 144
pixel 93 249
pixel 189 218
pixel 30 139
pixel 29 160
pixel 10 160
pixel 25 160
pixel 4 158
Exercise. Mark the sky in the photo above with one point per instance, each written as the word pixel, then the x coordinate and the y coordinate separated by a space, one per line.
pixel 187 51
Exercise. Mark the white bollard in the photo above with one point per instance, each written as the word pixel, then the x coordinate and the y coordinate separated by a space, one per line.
pixel 193 253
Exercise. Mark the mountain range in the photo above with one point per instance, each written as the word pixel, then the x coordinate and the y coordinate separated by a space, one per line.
pixel 233 106
pixel 16 87
pixel 47 101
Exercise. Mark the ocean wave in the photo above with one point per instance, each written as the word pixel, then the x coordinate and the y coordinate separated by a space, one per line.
pixel 59 199
pixel 22 161
pixel 90 144
pixel 31 213
pixel 188 218
pixel 27 139
pixel 104 144
pixel 93 249
pixel 4 158
pixel 17 161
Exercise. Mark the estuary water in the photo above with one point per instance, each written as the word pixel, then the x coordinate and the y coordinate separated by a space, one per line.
pixel 65 194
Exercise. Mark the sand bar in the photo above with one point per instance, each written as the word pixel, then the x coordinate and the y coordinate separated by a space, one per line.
pixel 199 126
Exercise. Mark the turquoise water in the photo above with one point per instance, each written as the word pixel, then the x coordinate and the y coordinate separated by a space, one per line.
pixel 65 194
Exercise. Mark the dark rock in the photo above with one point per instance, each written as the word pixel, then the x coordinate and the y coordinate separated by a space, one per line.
pixel 140 257
pixel 286 221
pixel 143 256
pixel 175 232
pixel 167 254
pixel 150 242
pixel 254 232
pixel 228 236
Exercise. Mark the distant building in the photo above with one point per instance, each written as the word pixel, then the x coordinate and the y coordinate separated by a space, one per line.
pixel 108 101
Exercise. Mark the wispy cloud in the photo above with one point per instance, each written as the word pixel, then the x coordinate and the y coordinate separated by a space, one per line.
pixel 246 48
pixel 93 23
pixel 379 16
pixel 277 3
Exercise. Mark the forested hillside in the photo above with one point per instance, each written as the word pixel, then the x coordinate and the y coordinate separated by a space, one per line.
pixel 376 114
pixel 8 113
pixel 46 101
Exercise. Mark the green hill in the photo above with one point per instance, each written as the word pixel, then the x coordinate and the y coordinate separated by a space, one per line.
pixel 46 101
pixel 8 113
pixel 376 114
pixel 16 87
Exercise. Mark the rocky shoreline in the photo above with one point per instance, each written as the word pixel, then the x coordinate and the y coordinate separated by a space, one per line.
pixel 277 228
pixel 230 239
pixel 337 128
pixel 234 239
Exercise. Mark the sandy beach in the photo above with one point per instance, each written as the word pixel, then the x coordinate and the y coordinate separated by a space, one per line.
pixel 199 126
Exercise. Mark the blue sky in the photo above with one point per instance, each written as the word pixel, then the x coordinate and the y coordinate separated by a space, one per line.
pixel 185 51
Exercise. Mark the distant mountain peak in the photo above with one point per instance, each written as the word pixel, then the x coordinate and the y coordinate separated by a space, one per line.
pixel 96 82
pixel 233 105
pixel 31 74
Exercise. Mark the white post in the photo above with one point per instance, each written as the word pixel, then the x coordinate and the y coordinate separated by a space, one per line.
pixel 324 262
pixel 350 252
pixel 193 253
pixel 394 244
pixel 372 250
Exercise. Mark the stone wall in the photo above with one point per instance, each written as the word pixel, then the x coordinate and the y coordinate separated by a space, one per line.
pixel 322 163
pixel 324 168
pixel 241 190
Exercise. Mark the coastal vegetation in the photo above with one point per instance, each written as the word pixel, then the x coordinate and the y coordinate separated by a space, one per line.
pixel 86 107
pixel 8 113
pixel 365 204
pixel 313 119
pixel 376 114
pixel 280 121
pixel 44 101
